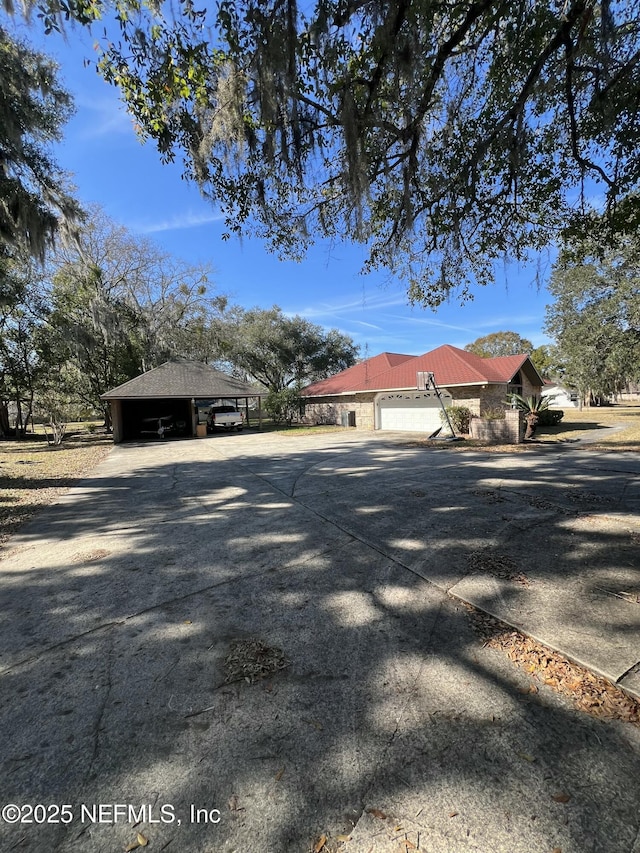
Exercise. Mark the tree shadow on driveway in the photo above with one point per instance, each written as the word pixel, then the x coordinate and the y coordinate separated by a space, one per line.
pixel 120 603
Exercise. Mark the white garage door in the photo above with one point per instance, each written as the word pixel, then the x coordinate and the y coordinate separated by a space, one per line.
pixel 415 411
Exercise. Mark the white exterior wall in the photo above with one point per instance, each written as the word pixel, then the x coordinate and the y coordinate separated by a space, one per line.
pixel 562 398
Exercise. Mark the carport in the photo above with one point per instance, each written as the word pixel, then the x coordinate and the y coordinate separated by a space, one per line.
pixel 163 401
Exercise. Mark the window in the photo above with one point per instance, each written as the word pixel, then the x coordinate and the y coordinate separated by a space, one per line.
pixel 515 386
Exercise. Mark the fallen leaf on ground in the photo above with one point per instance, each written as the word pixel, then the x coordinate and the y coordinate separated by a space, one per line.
pixel 317 847
pixel 526 756
pixel 453 814
pixel 343 838
pixel 590 693
pixel 377 813
pixel 280 774
pixel 251 659
pixel 561 797
pixel 140 841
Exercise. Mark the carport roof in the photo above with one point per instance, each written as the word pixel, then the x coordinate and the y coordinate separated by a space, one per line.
pixel 182 379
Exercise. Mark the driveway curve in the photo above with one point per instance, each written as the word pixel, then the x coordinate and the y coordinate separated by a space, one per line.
pixel 390 726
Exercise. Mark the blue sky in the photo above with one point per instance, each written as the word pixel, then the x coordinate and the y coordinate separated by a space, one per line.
pixel 113 169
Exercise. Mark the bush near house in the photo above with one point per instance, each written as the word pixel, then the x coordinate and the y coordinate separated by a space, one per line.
pixel 494 413
pixel 550 417
pixel 460 416
pixel 284 406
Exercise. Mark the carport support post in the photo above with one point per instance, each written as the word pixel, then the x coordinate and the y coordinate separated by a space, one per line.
pixel 194 418
pixel 116 420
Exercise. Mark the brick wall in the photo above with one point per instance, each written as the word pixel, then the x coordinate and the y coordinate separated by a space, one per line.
pixel 488 398
pixel 509 430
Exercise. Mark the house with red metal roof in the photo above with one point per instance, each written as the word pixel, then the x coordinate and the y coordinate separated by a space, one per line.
pixel 390 391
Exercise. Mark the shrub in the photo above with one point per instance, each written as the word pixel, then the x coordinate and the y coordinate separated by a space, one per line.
pixel 284 406
pixel 550 417
pixel 496 413
pixel 459 417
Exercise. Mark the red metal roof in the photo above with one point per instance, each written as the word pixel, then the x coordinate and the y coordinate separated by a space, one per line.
pixel 391 371
pixel 359 376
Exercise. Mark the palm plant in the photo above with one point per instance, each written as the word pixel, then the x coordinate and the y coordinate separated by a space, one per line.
pixel 531 406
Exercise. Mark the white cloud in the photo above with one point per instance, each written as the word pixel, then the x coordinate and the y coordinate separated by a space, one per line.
pixel 425 321
pixel 178 222
pixel 363 303
pixel 103 117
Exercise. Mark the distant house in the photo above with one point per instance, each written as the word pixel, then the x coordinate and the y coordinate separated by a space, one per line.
pixel 387 391
pixel 165 401
pixel 563 398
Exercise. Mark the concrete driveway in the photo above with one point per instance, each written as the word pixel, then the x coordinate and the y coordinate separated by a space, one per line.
pixel 391 727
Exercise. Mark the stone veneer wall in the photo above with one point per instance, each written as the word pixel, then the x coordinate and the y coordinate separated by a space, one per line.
pixel 488 398
pixel 328 410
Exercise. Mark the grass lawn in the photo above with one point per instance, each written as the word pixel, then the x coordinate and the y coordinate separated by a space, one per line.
pixel 574 426
pixel 586 423
pixel 33 474
pixel 301 429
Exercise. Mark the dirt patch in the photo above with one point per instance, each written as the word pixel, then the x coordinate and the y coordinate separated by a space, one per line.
pixel 499 565
pixel 250 660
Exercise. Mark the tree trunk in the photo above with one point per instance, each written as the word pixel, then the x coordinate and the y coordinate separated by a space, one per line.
pixel 532 424
pixel 19 424
pixel 108 427
pixel 4 419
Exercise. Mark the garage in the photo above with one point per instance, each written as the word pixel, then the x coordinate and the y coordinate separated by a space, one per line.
pixel 412 411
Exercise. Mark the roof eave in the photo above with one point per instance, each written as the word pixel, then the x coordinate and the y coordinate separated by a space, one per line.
pixel 479 382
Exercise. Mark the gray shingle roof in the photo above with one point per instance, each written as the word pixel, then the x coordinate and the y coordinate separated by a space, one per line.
pixel 181 379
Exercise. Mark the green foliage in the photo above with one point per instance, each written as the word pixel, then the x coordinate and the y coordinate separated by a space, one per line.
pixel 530 405
pixel 443 136
pixel 284 406
pixel 460 417
pixel 550 417
pixel 595 318
pixel 24 312
pixel 547 361
pixel 283 352
pixel 35 200
pixel 494 413
pixel 500 343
